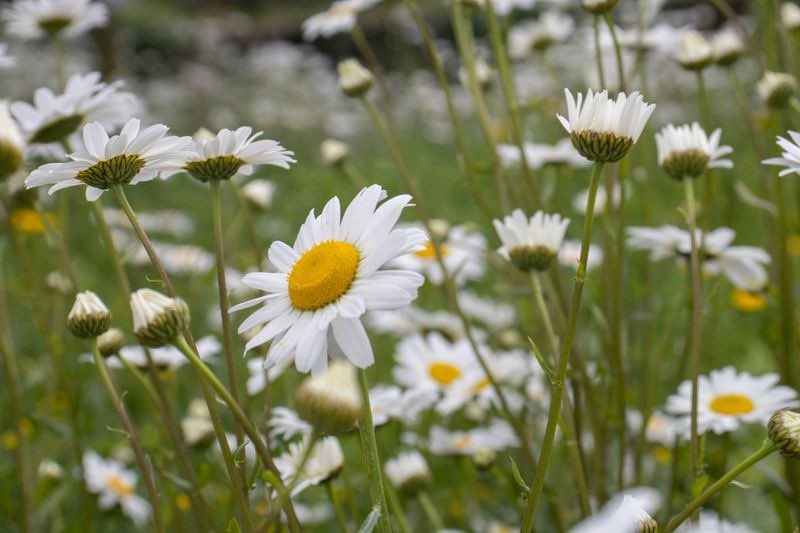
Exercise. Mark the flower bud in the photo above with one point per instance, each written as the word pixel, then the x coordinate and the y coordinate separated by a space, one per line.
pixel 330 402
pixel 484 458
pixel 89 316
pixel 12 144
pixel 408 472
pixel 333 152
pixel 110 342
pixel 354 79
pixel 598 7
pixel 776 89
pixel 695 52
pixel 157 319
pixel 784 431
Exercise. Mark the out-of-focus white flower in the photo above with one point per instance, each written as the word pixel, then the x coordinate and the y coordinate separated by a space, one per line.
pixel 259 193
pixel 661 429
pixel 333 152
pixel 711 521
pixel 539 155
pixel 177 259
pixel 463 253
pixel 413 320
pixel 504 7
pixel 694 52
pixel 389 402
pixel 727 46
pixel 340 17
pixel 164 358
pixel 323 463
pixel 6 61
pixel 550 28
pixel 570 254
pixel 580 200
pixel 34 19
pixel 531 244
pixel 790 16
pixel 686 151
pixel 626 512
pixel 196 426
pixel 116 485
pixel 12 143
pixel 494 315
pixel 776 88
pixel 497 436
pixel 285 423
pixel 260 375
pixel 408 471
pixel 790 157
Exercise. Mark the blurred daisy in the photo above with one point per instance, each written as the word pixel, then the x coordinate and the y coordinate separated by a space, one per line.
pixel 338 18
pixel 790 16
pixel 497 436
pixel 686 151
pixel 550 28
pixel 12 143
pixel 196 426
pixel 790 157
pixel 776 88
pixel 116 485
pixel 581 200
pixel 463 253
pixel 727 46
pixel 171 222
pixel 6 61
pixel 627 512
pixel 408 471
pixel 727 399
pixel 494 315
pixel 504 7
pixel 287 424
pixel 711 521
pixel 662 38
pixel 694 51
pixel 34 19
pixel 332 276
pixel 232 153
pixel 432 362
pixel 748 301
pixel 390 402
pixel 661 429
pixel 133 156
pixel 324 462
pixel 178 259
pixel 54 117
pixel 259 193
pixel 415 320
pixel 165 357
pixel 539 155
pixel 570 254
pixel 261 376
pixel 530 244
pixel 602 129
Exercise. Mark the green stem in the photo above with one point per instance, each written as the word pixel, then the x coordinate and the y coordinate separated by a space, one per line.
pixel 558 386
pixel 430 510
pixel 705 107
pixel 247 217
pixel 133 435
pixel 766 448
pixel 617 51
pixel 544 314
pixel 396 507
pixel 337 509
pixel 598 57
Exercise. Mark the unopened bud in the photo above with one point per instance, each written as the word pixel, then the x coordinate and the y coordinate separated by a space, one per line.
pixel 784 431
pixel 89 316
pixel 330 402
pixel 110 342
pixel 157 319
pixel 354 79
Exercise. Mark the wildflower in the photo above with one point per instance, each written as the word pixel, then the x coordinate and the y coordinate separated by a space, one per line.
pixel 661 429
pixel 711 521
pixel 604 130
pixel 164 358
pixel 494 315
pixel 695 52
pixel 784 430
pixel 110 342
pixel 550 28
pixel 504 7
pixel 132 157
pixel 539 155
pixel 354 79
pixel 776 89
pixel 333 152
pixel 748 301
pixel 627 512
pixel 157 319
pixel 728 47
pixel 484 74
pixel 727 399
pixel 432 363
pixel 196 426
pixel 408 472
pixel 232 153
pixel 12 144
pixel 570 254
pixel 530 244
pixel 34 19
pixel 285 423
pixel 89 316
pixel 497 436
pixel 50 469
pixel 790 16
pixel 329 279
pixel 52 118
pixel 414 320
pixel 790 157
pixel 686 151
pixel 259 193
pixel 260 376
pixel 115 485
pixel 331 401
pixel 389 402
pixel 324 463
pixel 338 18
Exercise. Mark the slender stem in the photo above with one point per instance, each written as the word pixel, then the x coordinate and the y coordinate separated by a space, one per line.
pixel 430 510
pixel 705 107
pixel 538 296
pixel 356 178
pixel 558 386
pixel 362 43
pixel 598 51
pixel 227 336
pixel 695 324
pixel 337 509
pixel 133 435
pixel 766 448
pixel 617 51
pixel 396 507
pixel 247 217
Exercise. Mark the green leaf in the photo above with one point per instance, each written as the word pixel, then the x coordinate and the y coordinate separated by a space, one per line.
pixel 371 521
pixel 233 527
pixel 523 487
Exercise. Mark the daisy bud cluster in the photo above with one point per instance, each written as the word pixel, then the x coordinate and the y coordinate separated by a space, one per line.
pixel 157 319
pixel 89 316
pixel 784 431
pixel 330 402
pixel 354 79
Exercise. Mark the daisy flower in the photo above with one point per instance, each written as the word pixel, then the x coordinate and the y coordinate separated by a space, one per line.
pixel 408 471
pixel 570 254
pixel 790 16
pixel 727 398
pixel 432 362
pixel 790 157
pixel 627 512
pixel 323 463
pixel 196 426
pixel 711 521
pixel 494 315
pixel 165 358
pixel 694 52
pixel 686 151
pixel 133 156
pixel 12 143
pixel 551 27
pixel 539 155
pixel 413 320
pixel 259 193
pixel 116 485
pixel 602 129
pixel 231 153
pixel 53 117
pixel 727 46
pixel 776 88
pixel 332 275
pixel 338 18
pixel 661 429
pixel 530 244
pixel 260 376
pixel 497 436
pixel 463 253
pixel 286 424
pixel 34 19
pixel 389 402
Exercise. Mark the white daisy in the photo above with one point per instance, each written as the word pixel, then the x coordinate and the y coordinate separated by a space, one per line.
pixel 259 193
pixel 790 16
pixel 132 157
pixel 338 18
pixel 260 376
pixel 626 512
pixel 570 254
pixel 407 471
pixel 727 46
pixel 604 130
pixel 494 315
pixel 661 429
pixel 389 402
pixel 694 52
pixel 662 38
pixel 686 151
pixel 550 28
pixel 539 155
pixel 790 157
pixel 116 485
pixel 711 521
pixel 232 153
pixel 531 244
pixel 332 275
pixel 415 320
pixel 177 259
pixel 53 117
pixel 727 398
pixel 197 427
pixel 12 143
pixel 34 19
pixel 463 253
pixel 776 88
pixel 171 222
pixel 324 462
pixel 286 424
pixel 165 357
pixel 432 362
pixel 497 436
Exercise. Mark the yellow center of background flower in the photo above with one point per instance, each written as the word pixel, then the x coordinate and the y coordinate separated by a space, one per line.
pixel 322 275
pixel 461 442
pixel 732 404
pixel 748 302
pixel 119 486
pixel 482 384
pixel 429 252
pixel 444 373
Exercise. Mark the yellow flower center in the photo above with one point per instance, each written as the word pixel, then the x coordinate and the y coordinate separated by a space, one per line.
pixel 27 221
pixel 479 386
pixel 748 302
pixel 119 486
pixel 732 404
pixel 429 252
pixel 183 502
pixel 462 442
pixel 662 454
pixel 444 373
pixel 322 275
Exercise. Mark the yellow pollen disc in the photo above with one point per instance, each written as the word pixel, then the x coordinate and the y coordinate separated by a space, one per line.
pixel 479 386
pixel 119 486
pixel 732 404
pixel 429 252
pixel 662 454
pixel 748 302
pixel 27 221
pixel 444 373
pixel 461 442
pixel 322 275
pixel 183 502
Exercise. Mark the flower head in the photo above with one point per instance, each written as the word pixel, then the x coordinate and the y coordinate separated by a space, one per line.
pixel 727 46
pixel 89 317
pixel 686 151
pixel 323 462
pixel 531 244
pixel 598 7
pixel 790 16
pixel 776 89
pixel 330 401
pixel 340 17
pixel 332 275
pixel 695 52
pixel 34 19
pixel 627 512
pixel 157 319
pixel 604 130
pixel 12 143
pixel 784 430
pixel 133 156
pixel 354 79
pixel 790 157
pixel 408 472
pixel 234 152
pixel 116 485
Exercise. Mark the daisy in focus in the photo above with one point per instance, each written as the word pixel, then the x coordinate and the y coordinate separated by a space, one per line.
pixel 531 244
pixel 133 156
pixel 115 485
pixel 34 19
pixel 332 275
pixel 727 399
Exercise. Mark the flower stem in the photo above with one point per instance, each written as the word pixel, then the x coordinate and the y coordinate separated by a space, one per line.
pixel 695 324
pixel 227 342
pixel 563 361
pixel 133 435
pixel 598 54
pixel 247 217
pixel 538 296
pixel 430 510
pixel 337 509
pixel 767 447
pixel 369 446
pixel 617 51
